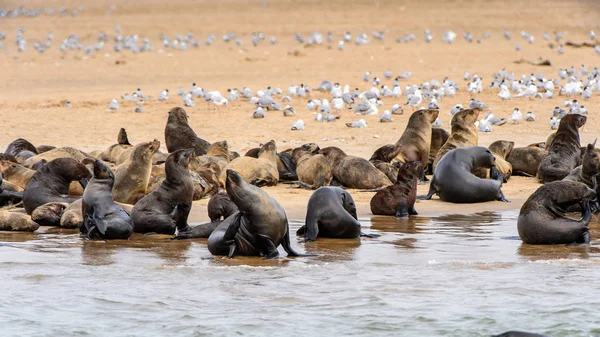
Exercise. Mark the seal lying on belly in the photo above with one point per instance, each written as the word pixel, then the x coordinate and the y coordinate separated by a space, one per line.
pixel 454 181
pixel 258 228
pixel 354 172
pixel 51 183
pixel 102 217
pixel 542 219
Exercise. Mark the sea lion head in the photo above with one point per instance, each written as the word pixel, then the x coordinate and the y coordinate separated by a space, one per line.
pixel 465 117
pixel 239 191
pixel 591 160
pixel 482 157
pixel 182 157
pixel 426 114
pixel 332 153
pixel 68 168
pixel 145 151
pixel 348 203
pixel 502 147
pixel 219 149
pixel 102 171
pixel 311 147
pixel 386 153
pixel 178 115
pixel 575 120
pixel 268 147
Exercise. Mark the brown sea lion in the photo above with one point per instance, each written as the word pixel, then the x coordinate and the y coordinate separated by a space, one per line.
pixel 587 173
pixel 157 176
pixel 17 221
pixel 218 152
pixel 179 135
pixel 382 160
pixel 16 173
pixel 500 149
pixel 114 152
pixel 132 177
pixel 208 175
pixel 542 220
pixel 463 133
pixel 285 164
pixel 415 142
pixel 51 183
pixel 439 137
pixel 260 172
pixel 220 207
pixel 354 172
pixel 72 216
pixel 167 208
pixel 21 150
pixel 61 152
pixel 45 148
pixel 49 214
pixel 399 199
pixel 313 169
pixel 526 160
pixel 564 152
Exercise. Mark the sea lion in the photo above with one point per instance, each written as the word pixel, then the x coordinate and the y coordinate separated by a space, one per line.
pixel 550 138
pixel 439 137
pixel 399 199
pixel 514 333
pixel 49 214
pixel 17 221
pixel 564 153
pixel 542 218
pixel 313 170
pixel 260 172
pixel 354 172
pixel 8 197
pixel 114 152
pixel 157 176
pixel 382 158
pixel 72 216
pixel 463 133
pixel 220 207
pixel 179 135
pixel 218 153
pixel 526 160
pixel 16 173
pixel 208 176
pixel 455 182
pixel 102 217
pixel 44 148
pixel 61 152
pixel 167 208
pixel 132 177
pixel 587 173
pixel 500 149
pixel 415 142
pixel 51 183
pixel 21 150
pixel 285 164
pixel 331 213
pixel 258 228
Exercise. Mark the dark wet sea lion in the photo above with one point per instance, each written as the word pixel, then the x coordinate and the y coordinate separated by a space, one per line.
pixel 331 213
pixel 220 207
pixel 258 228
pixel 564 153
pixel 587 173
pixel 500 149
pixel 354 172
pixel 439 137
pixel 514 333
pixel 382 160
pixel 102 217
pixel 463 133
pixel 49 214
pixel 253 152
pixel 415 142
pixel 179 135
pixel 286 166
pixel 260 172
pixel 399 199
pixel 51 183
pixel 454 181
pixel 542 219
pixel 21 150
pixel 526 160
pixel 132 177
pixel 17 221
pixel 313 169
pixel 167 208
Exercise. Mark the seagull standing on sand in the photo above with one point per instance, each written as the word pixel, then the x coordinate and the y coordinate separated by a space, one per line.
pixel 357 124
pixel 258 113
pixel 289 111
pixel 554 123
pixel 365 108
pixel 164 95
pixel 530 117
pixel 397 109
pixel 337 104
pixel 386 117
pixel 299 125
pixel 504 94
pixel 516 116
pixel 415 99
pixel 114 104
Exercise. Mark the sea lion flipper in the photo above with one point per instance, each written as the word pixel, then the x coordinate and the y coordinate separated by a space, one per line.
pixel 412 211
pixel 432 191
pixel 267 247
pixel 232 250
pixel 179 215
pixel 100 222
pixel 301 230
pixel 501 197
pixel 372 236
pixel 233 227
pixel 311 228
pixel 402 208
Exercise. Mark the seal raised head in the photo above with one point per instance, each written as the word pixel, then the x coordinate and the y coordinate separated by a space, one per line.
pixel 463 133
pixel 179 135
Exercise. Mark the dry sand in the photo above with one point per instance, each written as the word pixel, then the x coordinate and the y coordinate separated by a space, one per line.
pixel 34 87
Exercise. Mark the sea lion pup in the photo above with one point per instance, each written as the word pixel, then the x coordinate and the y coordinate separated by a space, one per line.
pixel 115 151
pixel 439 137
pixel 179 135
pixel 260 172
pixel 526 160
pixel 514 333
pixel 455 181
pixel 564 153
pixel 354 172
pixel 542 219
pixel 167 208
pixel 17 221
pixel 382 158
pixel 132 177
pixel 102 217
pixel 313 169
pixel 258 228
pixel 21 150
pixel 463 133
pixel 72 216
pixel 399 199
pixel 415 142
pixel 61 152
pixel 51 183
pixel 331 213
pixel 220 207
pixel 285 164
pixel 500 149
pixel 49 214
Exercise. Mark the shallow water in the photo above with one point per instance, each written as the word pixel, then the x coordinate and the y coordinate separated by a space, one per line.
pixel 453 275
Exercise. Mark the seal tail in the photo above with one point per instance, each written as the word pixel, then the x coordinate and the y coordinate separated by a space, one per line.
pixel 432 191
pixel 288 248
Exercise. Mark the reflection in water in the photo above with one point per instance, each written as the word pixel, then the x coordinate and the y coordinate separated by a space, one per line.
pixel 454 275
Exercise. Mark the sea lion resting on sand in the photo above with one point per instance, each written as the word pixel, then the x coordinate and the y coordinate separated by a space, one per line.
pixel 399 199
pixel 21 150
pixel 354 172
pixel 260 172
pixel 382 160
pixel 312 168
pixel 542 218
pixel 454 181
pixel 525 161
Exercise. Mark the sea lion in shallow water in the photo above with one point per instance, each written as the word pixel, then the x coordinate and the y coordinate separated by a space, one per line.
pixel 514 333
pixel 260 172
pixel 399 199
pixel 542 219
pixel 167 208
pixel 313 169
pixel 220 207
pixel 354 172
pixel 564 153
pixel 454 181
pixel 463 133
pixel 103 218
pixel 180 136
pixel 258 228
pixel 132 177
pixel 51 183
